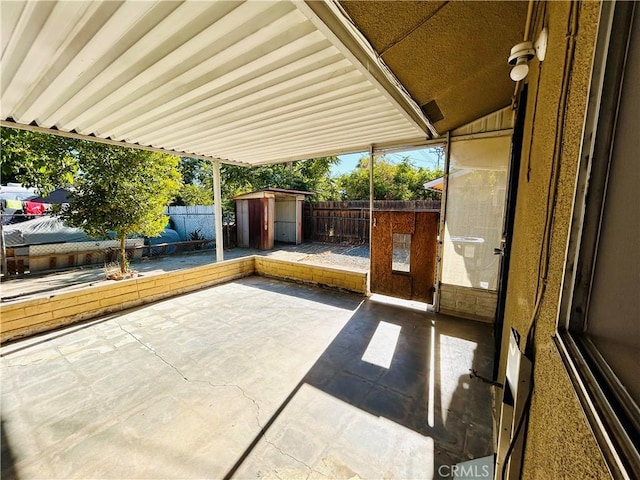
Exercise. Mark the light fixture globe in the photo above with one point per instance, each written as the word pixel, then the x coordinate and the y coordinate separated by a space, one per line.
pixel 520 71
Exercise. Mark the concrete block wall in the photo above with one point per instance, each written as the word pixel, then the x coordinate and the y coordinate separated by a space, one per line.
pixel 467 302
pixel 40 255
pixel 189 219
pixel 27 317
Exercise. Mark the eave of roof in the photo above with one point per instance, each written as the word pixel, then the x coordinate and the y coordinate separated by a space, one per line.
pixel 450 56
pixel 273 192
pixel 247 83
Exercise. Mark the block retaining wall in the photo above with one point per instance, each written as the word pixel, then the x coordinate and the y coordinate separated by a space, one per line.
pixel 27 317
pixel 469 303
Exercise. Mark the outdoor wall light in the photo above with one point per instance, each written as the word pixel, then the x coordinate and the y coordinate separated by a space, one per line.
pixel 519 58
pixel 525 51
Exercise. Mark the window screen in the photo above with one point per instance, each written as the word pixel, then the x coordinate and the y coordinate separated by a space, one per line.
pixel 475 210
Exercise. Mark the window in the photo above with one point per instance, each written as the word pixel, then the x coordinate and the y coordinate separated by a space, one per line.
pixel 401 253
pixel 599 326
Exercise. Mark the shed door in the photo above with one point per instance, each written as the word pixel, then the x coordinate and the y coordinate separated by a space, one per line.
pixel 255 223
pixel 403 254
pixel 285 221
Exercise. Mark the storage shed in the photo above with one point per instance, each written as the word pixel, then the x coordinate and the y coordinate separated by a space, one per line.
pixel 269 215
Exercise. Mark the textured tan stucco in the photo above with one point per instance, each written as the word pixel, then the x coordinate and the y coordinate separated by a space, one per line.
pixel 452 52
pixel 559 442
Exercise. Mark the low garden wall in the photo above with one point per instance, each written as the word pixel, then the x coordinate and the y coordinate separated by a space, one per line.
pixel 27 317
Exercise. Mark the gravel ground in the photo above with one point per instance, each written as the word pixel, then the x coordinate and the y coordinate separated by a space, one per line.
pixel 346 256
pixel 339 256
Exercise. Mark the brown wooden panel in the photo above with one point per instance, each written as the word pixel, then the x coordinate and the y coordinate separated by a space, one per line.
pixel 383 280
pixel 419 282
pixel 423 256
pixel 255 223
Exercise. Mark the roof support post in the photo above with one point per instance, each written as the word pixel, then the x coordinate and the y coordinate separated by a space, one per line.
pixel 3 247
pixel 443 218
pixel 217 200
pixel 371 199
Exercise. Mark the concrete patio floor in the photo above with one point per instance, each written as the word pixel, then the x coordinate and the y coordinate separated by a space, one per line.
pixel 256 378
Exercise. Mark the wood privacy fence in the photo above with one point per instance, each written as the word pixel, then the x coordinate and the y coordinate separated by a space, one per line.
pixel 348 222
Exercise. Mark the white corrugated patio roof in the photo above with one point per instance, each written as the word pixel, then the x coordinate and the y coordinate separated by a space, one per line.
pixel 241 82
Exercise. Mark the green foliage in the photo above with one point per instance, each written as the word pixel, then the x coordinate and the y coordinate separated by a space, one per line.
pixel 310 175
pixel 122 190
pixel 196 171
pixel 38 160
pixel 401 181
pixel 197 177
pixel 192 194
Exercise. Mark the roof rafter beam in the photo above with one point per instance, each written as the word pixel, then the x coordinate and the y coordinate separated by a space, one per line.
pixel 327 18
pixel 118 143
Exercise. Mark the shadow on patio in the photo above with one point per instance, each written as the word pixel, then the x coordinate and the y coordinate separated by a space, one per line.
pixel 256 378
pixel 393 386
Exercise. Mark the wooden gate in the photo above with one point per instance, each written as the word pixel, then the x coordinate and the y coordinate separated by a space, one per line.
pixel 403 254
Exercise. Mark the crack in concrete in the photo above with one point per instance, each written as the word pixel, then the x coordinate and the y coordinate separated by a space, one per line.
pixel 252 401
pixel 285 454
pixel 185 378
pixel 152 350
pixel 216 385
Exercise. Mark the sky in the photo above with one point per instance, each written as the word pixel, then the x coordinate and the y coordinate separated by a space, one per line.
pixel 420 158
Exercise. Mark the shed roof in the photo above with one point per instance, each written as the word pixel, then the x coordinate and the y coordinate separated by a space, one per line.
pixel 272 190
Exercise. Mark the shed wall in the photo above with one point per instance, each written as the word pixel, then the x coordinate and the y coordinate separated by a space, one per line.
pixel 242 222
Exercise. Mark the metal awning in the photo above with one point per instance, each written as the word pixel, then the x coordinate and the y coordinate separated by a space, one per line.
pixel 240 82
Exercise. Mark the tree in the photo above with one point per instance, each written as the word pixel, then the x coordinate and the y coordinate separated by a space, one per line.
pixel 123 190
pixel 197 178
pixel 401 181
pixel 192 194
pixel 195 171
pixel 44 162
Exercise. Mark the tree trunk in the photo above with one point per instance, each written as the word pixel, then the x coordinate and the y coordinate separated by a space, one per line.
pixel 123 254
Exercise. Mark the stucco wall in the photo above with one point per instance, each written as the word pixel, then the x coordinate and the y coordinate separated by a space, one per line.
pixel 559 440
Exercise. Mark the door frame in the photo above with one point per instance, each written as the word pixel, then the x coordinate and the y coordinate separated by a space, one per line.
pixel 443 216
pixel 508 225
